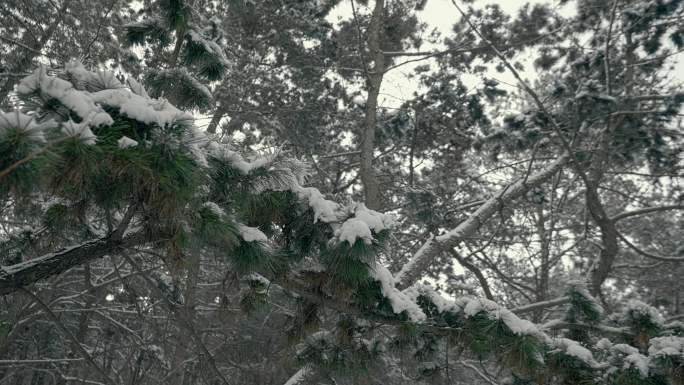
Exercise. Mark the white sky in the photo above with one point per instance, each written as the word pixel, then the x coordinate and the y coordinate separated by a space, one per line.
pixel 441 14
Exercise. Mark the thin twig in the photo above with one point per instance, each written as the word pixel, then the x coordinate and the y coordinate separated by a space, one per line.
pixel 69 335
pixel 647 254
pixel 182 317
pixel 20 44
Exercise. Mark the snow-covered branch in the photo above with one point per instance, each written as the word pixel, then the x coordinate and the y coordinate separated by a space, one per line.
pixel 541 305
pixel 413 270
pixel 22 274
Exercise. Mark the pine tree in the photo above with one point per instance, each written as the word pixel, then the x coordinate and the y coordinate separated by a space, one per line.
pixel 196 54
pixel 136 176
pixel 136 249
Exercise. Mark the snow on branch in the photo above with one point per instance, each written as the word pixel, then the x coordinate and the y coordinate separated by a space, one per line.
pixel 428 252
pixel 299 376
pixel 19 275
pixel 50 87
pixel 24 125
pixel 541 305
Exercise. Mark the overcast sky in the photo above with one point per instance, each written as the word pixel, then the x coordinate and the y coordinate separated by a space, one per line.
pixel 442 14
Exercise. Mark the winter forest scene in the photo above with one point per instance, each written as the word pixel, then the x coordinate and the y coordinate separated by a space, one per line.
pixel 341 192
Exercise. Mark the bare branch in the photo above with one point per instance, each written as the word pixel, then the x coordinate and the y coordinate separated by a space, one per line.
pixel 348 153
pixel 541 305
pixel 185 321
pixel 299 376
pixel 606 60
pixel 477 272
pixel 647 254
pixel 20 44
pixel 557 324
pixel 478 372
pixel 645 210
pixel 42 361
pixel 70 336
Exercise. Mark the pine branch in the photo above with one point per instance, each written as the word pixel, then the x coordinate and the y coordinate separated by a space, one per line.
pixel 598 213
pixel 34 154
pixel 424 55
pixel 15 277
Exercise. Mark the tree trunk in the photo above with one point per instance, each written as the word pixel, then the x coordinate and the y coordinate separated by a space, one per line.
pixel 215 120
pixel 184 341
pixel 373 82
pixel 180 37
pixel 609 240
pixel 544 267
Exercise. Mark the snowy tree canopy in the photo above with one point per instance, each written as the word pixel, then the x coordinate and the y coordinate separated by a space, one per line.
pixel 225 192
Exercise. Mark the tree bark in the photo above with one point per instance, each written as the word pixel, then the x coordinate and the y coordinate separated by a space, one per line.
pixel 180 37
pixel 375 74
pixel 603 266
pixel 14 277
pixel 544 267
pixel 609 239
pixel 215 120
pixel 190 301
pixel 477 272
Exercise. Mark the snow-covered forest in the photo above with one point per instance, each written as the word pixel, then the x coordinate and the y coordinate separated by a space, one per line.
pixel 284 192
